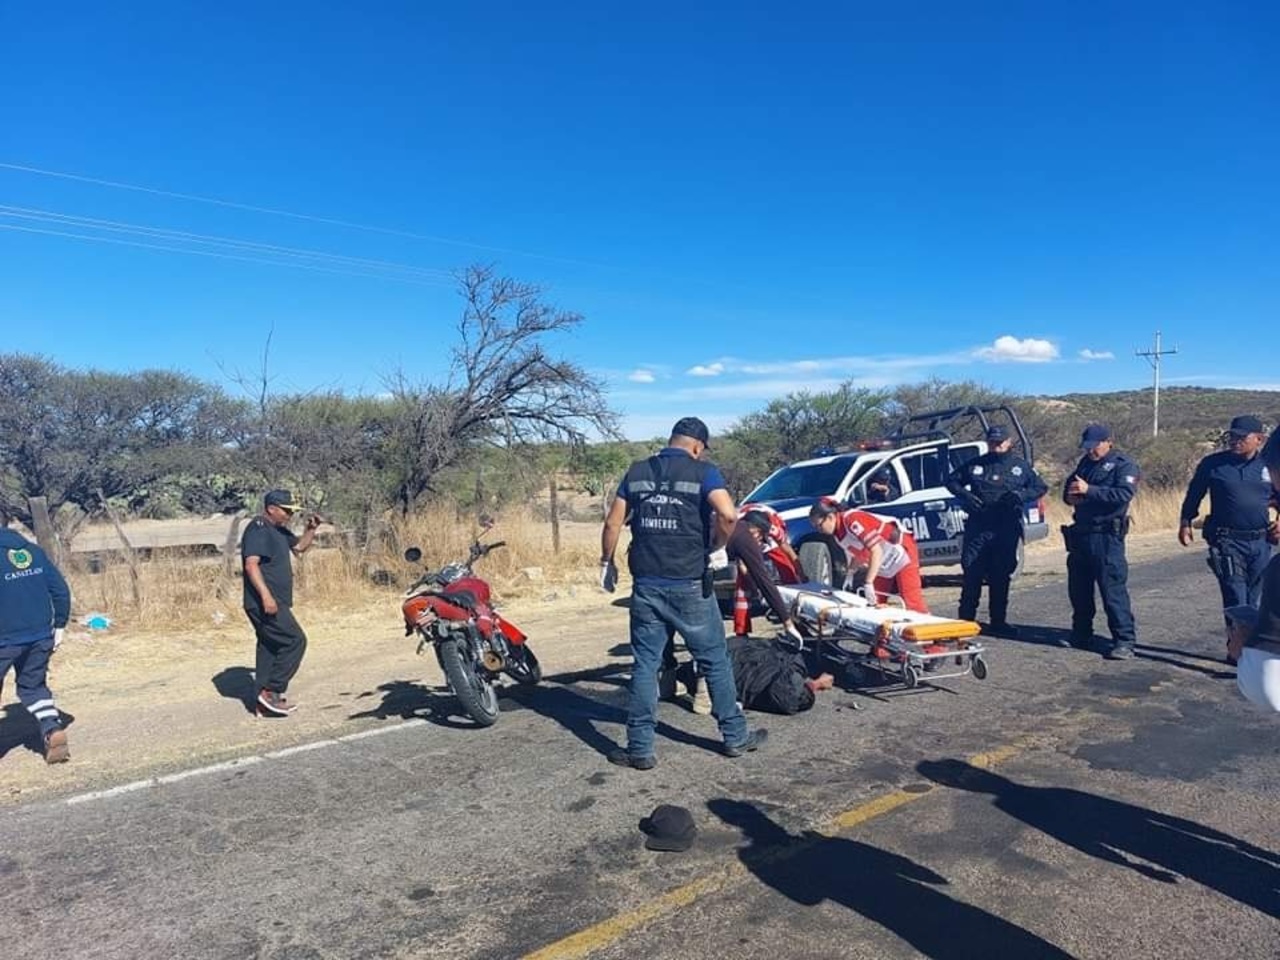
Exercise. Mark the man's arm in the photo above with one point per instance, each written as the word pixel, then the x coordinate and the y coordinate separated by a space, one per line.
pixel 59 596
pixel 1035 487
pixel 612 528
pixel 726 516
pixel 253 570
pixel 743 546
pixel 1196 490
pixel 302 544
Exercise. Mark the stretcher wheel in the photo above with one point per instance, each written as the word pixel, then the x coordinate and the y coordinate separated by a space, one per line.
pixel 979 667
pixel 909 676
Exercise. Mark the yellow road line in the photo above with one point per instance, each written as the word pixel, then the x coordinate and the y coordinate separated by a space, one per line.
pixel 589 939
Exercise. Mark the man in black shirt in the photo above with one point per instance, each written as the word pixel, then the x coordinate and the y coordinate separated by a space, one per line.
pixel 1237 528
pixel 267 548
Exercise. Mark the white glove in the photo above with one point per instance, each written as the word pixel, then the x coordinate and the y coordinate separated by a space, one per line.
pixel 608 576
pixel 718 559
pixel 57 637
pixel 868 591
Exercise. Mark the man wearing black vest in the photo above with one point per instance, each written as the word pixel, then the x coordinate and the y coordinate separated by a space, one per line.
pixel 681 516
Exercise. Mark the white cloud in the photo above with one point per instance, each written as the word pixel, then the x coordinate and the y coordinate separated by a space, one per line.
pixel 641 376
pixel 1088 354
pixel 706 369
pixel 1009 349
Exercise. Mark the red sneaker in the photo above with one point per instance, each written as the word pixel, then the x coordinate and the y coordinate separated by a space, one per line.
pixel 272 704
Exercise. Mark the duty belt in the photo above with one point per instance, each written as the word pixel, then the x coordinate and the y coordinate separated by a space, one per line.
pixel 1230 534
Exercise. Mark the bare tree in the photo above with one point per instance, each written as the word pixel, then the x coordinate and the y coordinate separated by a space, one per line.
pixel 503 388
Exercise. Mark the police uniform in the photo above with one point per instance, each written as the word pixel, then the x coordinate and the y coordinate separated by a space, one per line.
pixel 1095 547
pixel 994 488
pixel 1239 492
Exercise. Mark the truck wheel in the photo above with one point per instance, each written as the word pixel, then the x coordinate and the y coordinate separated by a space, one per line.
pixel 815 557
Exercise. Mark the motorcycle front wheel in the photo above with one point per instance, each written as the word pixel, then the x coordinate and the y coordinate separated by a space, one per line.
pixel 523 666
pixel 478 696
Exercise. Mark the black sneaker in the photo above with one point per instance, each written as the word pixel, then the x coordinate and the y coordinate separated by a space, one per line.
pixel 1121 651
pixel 1006 630
pixel 624 759
pixel 754 739
pixel 1080 641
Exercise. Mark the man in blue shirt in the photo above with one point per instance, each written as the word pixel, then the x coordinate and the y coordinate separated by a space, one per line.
pixel 35 605
pixel 1238 527
pixel 1100 490
pixel 681 516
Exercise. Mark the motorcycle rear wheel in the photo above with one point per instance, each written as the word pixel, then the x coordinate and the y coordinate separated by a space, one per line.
pixel 478 696
pixel 523 666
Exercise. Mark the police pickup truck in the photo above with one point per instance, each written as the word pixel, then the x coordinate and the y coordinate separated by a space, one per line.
pixel 902 476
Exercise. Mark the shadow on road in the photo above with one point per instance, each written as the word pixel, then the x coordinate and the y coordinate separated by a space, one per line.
pixel 1182 660
pixel 579 713
pixel 20 729
pixel 407 700
pixel 1125 835
pixel 897 893
pixel 236 683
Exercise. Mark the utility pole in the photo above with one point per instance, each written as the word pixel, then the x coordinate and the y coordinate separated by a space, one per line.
pixel 1153 357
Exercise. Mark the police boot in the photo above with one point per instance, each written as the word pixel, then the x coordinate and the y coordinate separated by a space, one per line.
pixel 998 601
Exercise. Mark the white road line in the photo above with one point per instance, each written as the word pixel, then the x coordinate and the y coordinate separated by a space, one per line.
pixel 380 731
pixel 239 762
pixel 301 748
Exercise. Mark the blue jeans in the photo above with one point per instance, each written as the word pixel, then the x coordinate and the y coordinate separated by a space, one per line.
pixel 697 619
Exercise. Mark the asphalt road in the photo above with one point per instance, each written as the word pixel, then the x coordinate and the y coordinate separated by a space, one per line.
pixel 1066 806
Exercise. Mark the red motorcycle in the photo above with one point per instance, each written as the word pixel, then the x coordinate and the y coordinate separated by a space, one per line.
pixel 450 609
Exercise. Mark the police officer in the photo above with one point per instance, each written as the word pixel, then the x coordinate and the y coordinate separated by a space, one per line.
pixel 994 488
pixel 1100 489
pixel 35 604
pixel 1237 529
pixel 681 516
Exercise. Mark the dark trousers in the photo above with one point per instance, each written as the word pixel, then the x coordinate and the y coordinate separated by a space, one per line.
pixel 1097 559
pixel 1238 565
pixel 30 662
pixel 990 554
pixel 281 644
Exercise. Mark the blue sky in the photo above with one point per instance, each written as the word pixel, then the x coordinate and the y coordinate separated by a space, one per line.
pixel 742 199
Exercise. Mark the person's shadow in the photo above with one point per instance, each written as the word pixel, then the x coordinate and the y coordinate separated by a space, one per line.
pixel 1124 834
pixel 20 729
pixel 236 683
pixel 891 890
pixel 579 713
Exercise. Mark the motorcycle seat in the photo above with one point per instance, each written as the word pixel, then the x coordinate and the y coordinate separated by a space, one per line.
pixel 463 598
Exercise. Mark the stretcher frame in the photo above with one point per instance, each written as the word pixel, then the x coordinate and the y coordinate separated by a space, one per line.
pixel 893 643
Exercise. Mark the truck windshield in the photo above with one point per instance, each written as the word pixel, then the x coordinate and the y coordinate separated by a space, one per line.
pixel 809 480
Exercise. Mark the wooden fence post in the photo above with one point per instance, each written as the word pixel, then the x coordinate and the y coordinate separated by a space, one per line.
pixel 130 555
pixel 555 516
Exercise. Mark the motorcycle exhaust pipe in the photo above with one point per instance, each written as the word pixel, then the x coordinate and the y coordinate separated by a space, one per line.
pixel 492 661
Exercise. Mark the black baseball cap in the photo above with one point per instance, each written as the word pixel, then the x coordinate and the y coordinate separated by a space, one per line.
pixel 1094 434
pixel 669 828
pixel 694 429
pixel 997 434
pixel 282 499
pixel 1246 423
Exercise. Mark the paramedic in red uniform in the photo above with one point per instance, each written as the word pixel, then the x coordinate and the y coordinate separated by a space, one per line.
pixel 880 545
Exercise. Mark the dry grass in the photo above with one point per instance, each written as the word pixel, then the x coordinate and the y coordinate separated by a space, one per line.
pixel 178 591
pixel 1152 511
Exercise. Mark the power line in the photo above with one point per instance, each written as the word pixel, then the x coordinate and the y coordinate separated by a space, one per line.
pixel 276 212
pixel 115 226
pixel 221 256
